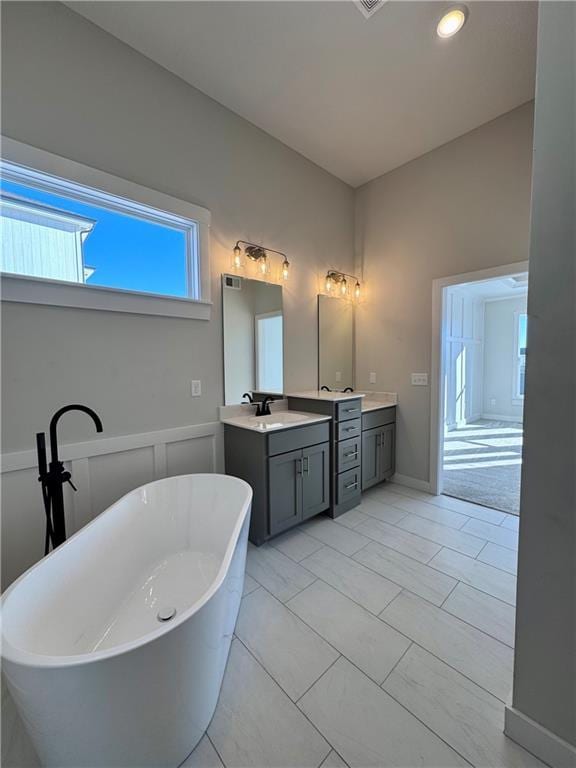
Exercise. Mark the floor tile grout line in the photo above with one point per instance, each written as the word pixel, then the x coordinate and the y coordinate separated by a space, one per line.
pixel 340 655
pixel 429 563
pixel 395 665
pixel 214 747
pixel 336 589
pixel 263 668
pixel 415 514
pixel 443 661
pixel 448 595
pixel 455 498
pixel 453 615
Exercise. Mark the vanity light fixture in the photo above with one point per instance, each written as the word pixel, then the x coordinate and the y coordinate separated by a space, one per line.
pixel 452 21
pixel 336 281
pixel 260 256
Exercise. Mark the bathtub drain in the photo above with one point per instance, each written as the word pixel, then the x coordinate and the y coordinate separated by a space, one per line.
pixel 165 614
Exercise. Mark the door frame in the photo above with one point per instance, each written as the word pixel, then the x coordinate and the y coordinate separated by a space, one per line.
pixel 438 364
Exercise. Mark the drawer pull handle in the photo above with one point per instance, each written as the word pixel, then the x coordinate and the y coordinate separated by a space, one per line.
pixel 352 410
pixel 351 454
pixel 350 429
pixel 351 485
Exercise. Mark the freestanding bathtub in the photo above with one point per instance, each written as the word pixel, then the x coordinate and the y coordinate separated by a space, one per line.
pixel 115 645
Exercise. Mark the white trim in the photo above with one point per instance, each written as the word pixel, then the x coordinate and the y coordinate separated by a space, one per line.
pixel 12 462
pixel 412 482
pixel 38 291
pixel 28 290
pixel 501 417
pixel 538 740
pixel 438 362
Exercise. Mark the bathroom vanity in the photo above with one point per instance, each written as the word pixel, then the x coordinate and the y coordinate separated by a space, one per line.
pixel 311 452
pixel 285 457
pixel 345 412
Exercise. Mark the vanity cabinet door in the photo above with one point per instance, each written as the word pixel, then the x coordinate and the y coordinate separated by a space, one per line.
pixel 387 451
pixel 285 491
pixel 315 479
pixel 371 457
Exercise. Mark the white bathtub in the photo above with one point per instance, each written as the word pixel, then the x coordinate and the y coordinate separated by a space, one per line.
pixel 96 677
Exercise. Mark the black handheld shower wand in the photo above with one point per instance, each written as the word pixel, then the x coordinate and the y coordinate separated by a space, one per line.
pixel 53 476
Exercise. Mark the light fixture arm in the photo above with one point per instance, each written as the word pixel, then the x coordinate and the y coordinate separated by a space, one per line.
pixel 261 247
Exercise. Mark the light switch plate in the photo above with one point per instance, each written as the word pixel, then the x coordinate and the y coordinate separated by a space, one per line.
pixel 195 388
pixel 372 378
pixel 419 379
pixel 338 376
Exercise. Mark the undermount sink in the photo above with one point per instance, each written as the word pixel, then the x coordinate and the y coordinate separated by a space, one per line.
pixel 278 420
pixel 275 420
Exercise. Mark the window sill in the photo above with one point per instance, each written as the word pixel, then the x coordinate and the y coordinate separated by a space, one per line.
pixel 27 290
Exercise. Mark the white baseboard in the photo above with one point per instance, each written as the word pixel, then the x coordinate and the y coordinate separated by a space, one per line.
pixel 501 417
pixel 412 482
pixel 538 740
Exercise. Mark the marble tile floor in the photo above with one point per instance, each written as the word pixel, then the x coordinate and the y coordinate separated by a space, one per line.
pixel 382 638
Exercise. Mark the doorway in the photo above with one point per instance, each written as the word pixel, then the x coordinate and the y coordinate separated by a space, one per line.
pixel 480 368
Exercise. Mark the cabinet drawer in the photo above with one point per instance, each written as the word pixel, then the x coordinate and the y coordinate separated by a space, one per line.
pixel 349 409
pixel 379 418
pixel 348 429
pixel 298 437
pixel 349 485
pixel 348 454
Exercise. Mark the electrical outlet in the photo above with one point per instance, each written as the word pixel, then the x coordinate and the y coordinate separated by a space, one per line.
pixel 419 379
pixel 338 376
pixel 195 388
pixel 372 378
pixel 492 402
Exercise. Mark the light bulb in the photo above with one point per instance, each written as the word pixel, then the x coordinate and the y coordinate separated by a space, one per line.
pixel 263 265
pixel 451 22
pixel 329 284
pixel 357 290
pixel 237 257
pixel 285 269
pixel 343 287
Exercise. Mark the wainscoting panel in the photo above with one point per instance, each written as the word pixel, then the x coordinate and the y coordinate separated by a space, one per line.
pixel 103 471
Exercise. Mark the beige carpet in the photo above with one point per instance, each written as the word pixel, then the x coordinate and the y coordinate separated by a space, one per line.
pixel 482 464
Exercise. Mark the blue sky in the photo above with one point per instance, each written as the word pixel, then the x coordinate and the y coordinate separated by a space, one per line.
pixel 126 252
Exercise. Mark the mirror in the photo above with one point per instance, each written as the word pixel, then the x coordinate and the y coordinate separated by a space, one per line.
pixel 335 343
pixel 253 337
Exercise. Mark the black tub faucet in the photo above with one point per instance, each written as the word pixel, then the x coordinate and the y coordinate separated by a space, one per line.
pixel 53 476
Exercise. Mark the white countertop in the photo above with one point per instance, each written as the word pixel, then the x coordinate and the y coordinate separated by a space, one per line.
pixel 275 421
pixel 321 394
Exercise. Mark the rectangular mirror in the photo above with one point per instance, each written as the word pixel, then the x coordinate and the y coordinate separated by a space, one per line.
pixel 253 337
pixel 335 343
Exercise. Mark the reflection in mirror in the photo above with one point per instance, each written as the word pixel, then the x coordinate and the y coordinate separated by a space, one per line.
pixel 253 337
pixel 335 343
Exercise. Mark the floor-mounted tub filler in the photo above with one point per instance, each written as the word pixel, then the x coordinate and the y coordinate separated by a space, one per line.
pixel 115 645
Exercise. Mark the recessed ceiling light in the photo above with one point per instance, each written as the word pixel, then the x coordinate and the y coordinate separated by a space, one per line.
pixel 452 21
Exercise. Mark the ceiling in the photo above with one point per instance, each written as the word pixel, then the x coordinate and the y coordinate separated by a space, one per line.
pixel 357 96
pixel 496 287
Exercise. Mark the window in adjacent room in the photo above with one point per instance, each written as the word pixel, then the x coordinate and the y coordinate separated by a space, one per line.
pixel 520 353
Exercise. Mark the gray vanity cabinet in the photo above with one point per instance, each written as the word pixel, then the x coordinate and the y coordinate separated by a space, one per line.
pixel 285 491
pixel 289 471
pixel 299 486
pixel 345 447
pixel 378 446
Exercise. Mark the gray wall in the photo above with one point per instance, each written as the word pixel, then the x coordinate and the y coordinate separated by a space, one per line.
pixel 72 89
pixel 545 673
pixel 500 318
pixel 460 208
